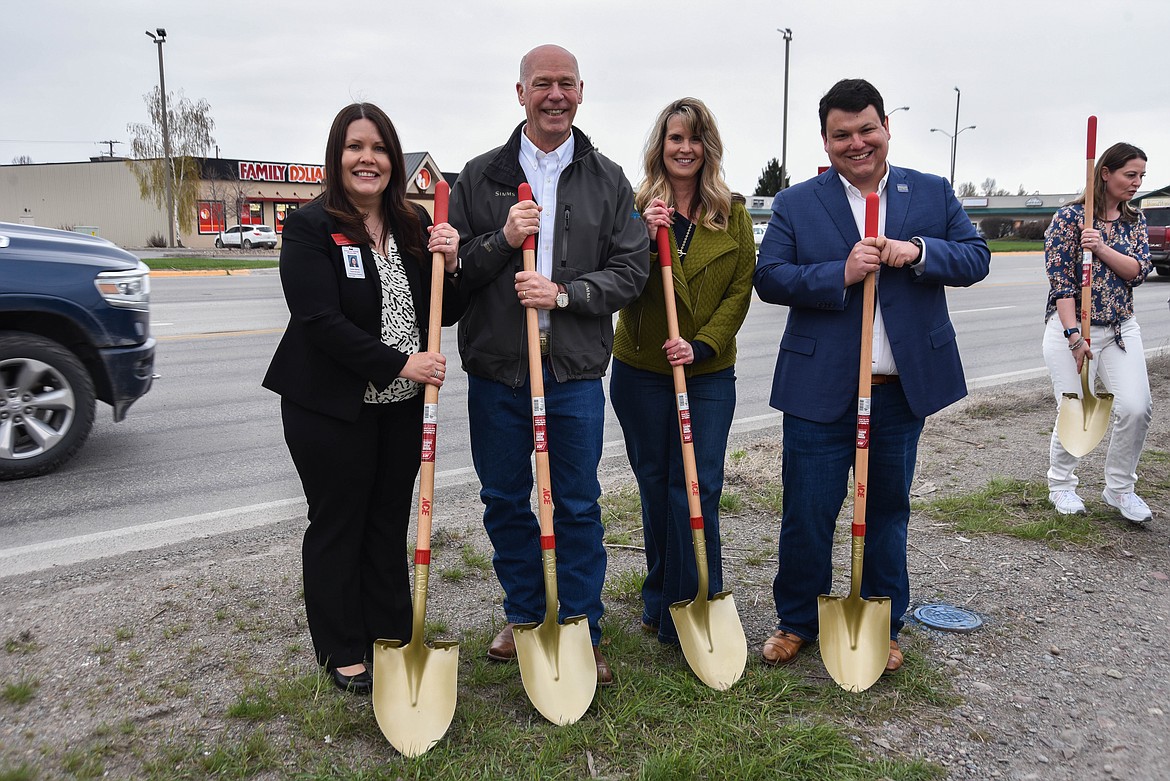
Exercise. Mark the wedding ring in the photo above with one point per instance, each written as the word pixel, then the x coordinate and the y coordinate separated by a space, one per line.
pixel 524 294
pixel 448 240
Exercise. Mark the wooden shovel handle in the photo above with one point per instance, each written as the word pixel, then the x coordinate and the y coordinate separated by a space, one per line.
pixel 865 379
pixel 1087 255
pixel 536 386
pixel 682 402
pixel 682 405
pixel 426 483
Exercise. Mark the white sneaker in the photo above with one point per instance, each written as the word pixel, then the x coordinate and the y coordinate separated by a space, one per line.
pixel 1067 502
pixel 1128 504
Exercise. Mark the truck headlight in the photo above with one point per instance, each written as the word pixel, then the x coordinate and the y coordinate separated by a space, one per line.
pixel 126 289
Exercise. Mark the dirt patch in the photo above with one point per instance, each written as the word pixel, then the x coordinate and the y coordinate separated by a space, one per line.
pixel 1069 677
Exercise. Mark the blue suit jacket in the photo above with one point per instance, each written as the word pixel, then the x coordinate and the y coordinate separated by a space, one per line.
pixel 802 265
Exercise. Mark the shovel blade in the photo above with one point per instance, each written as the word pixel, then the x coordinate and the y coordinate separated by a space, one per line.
pixel 557 667
pixel 414 693
pixel 1082 422
pixel 712 638
pixel 854 639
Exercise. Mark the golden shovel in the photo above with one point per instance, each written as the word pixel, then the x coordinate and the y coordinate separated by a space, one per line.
pixel 709 630
pixel 1083 420
pixel 415 686
pixel 556 660
pixel 855 632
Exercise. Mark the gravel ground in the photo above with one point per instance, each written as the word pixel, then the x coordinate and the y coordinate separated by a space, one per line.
pixel 1069 678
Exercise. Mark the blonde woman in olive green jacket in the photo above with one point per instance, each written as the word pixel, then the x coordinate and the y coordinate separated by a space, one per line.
pixel 715 256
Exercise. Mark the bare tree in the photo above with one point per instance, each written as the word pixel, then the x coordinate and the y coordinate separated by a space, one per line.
pixel 190 125
pixel 965 189
pixel 22 160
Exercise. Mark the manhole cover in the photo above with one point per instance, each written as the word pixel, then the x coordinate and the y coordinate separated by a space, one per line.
pixel 948 618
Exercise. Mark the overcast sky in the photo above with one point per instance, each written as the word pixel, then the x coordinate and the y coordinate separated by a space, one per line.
pixel 275 74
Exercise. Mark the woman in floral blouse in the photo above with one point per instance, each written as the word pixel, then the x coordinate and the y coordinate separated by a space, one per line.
pixel 1121 260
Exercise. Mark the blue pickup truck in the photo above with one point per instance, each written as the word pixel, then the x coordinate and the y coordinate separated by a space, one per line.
pixel 74 327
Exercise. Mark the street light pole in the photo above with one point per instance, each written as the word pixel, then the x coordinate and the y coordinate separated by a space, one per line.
pixel 954 144
pixel 787 33
pixel 159 40
pixel 955 137
pixel 899 108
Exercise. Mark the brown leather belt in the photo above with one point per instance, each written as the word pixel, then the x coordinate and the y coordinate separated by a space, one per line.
pixel 884 379
pixel 544 341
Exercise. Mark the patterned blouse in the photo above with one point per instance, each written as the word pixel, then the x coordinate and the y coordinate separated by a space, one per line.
pixel 399 323
pixel 1112 296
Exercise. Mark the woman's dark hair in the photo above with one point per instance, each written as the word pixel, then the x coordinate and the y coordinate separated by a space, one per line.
pixel 851 95
pixel 397 214
pixel 1114 158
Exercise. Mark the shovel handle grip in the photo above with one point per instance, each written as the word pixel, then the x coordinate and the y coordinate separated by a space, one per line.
pixel 524 193
pixel 665 256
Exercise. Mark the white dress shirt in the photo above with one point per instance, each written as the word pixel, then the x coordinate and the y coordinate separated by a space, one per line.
pixel 543 171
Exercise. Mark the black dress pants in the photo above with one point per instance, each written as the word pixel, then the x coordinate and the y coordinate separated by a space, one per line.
pixel 358 479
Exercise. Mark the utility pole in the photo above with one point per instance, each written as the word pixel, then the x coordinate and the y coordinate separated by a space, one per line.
pixel 111 145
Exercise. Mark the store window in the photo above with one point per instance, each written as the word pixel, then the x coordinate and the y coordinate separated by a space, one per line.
pixel 282 210
pixel 211 216
pixel 251 213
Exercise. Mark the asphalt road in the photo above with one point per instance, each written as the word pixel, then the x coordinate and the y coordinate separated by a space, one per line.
pixel 203 452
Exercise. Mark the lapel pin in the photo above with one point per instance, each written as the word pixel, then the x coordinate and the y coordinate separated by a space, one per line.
pixel 903 188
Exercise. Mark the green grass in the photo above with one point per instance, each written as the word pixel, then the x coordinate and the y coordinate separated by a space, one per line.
pixel 658 722
pixel 625 585
pixel 19 692
pixel 22 772
pixel 24 643
pixel 208 264
pixel 1015 245
pixel 1017 508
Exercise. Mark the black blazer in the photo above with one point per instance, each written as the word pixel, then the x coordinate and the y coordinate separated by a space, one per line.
pixel 333 345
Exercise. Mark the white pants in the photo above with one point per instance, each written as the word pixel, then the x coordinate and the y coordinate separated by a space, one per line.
pixel 1123 373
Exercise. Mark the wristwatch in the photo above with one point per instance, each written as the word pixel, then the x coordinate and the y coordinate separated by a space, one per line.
pixel 562 297
pixel 917 242
pixel 1070 331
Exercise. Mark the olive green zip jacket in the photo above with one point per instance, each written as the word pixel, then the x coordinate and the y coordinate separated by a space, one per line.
pixel 712 290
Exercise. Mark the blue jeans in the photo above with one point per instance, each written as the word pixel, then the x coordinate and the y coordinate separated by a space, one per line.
pixel 500 419
pixel 815 474
pixel 645 406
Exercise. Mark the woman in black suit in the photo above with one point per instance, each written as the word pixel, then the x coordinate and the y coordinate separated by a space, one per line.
pixel 355 266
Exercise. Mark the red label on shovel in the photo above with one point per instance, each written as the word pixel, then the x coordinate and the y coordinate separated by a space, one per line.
pixel 539 434
pixel 428 442
pixel 862 432
pixel 684 420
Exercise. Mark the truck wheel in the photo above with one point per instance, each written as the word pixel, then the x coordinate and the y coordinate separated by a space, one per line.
pixel 46 405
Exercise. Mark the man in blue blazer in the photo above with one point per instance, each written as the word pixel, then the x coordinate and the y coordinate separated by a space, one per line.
pixel 812 259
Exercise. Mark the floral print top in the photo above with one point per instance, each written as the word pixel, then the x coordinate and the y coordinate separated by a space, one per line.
pixel 399 324
pixel 1112 296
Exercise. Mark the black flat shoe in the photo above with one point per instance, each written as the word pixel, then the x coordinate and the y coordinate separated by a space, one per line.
pixel 361 683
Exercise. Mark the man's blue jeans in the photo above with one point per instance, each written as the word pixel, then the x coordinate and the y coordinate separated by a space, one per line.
pixel 815 472
pixel 645 406
pixel 500 419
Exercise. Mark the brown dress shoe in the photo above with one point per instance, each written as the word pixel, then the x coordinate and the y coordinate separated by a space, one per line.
pixel 503 648
pixel 604 674
pixel 781 647
pixel 895 660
